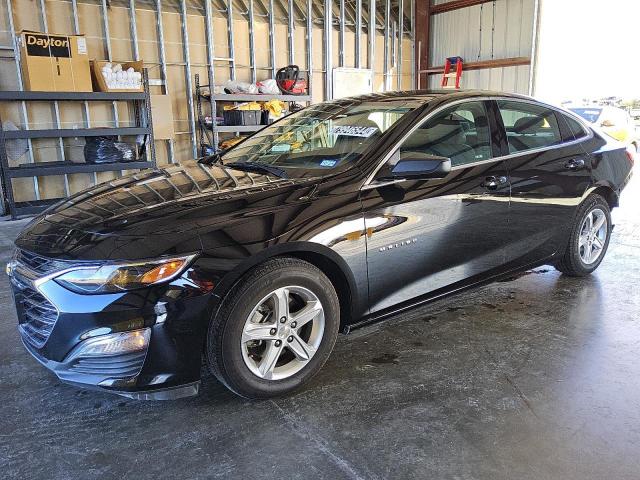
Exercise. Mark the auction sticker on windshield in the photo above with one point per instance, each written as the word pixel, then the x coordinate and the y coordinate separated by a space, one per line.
pixel 328 163
pixel 353 131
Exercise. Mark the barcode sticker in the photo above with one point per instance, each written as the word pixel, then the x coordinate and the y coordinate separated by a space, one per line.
pixel 353 131
pixel 82 45
pixel 281 147
pixel 328 163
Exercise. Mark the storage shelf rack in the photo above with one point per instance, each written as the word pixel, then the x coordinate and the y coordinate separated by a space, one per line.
pixel 208 136
pixel 144 126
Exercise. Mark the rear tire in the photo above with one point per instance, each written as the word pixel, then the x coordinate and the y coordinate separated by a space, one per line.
pixel 274 330
pixel 589 238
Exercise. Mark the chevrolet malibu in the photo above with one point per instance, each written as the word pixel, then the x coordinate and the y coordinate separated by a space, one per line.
pixel 344 213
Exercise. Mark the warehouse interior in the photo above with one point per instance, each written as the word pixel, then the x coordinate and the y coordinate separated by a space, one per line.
pixel 248 42
pixel 532 377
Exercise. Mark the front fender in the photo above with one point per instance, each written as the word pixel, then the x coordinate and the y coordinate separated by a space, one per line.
pixel 327 229
pixel 226 266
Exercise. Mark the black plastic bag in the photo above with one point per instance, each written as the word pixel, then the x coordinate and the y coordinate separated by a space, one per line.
pixel 108 150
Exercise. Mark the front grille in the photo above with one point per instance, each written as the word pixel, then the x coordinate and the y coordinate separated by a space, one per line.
pixel 113 366
pixel 36 315
pixel 39 264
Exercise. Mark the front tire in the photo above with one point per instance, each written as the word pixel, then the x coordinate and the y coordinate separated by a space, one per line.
pixel 274 330
pixel 589 238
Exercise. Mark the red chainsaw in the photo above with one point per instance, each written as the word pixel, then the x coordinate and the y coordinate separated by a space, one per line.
pixel 290 81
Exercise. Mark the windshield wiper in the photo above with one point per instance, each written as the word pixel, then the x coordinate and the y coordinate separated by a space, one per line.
pixel 258 167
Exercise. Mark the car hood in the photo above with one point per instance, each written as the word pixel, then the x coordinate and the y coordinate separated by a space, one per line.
pixel 160 211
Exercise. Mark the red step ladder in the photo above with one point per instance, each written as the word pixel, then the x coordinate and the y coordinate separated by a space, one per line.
pixel 451 63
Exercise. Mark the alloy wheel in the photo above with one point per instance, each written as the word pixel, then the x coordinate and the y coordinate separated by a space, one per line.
pixel 282 333
pixel 593 236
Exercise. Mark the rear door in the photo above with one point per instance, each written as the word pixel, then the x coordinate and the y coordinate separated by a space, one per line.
pixel 549 173
pixel 429 235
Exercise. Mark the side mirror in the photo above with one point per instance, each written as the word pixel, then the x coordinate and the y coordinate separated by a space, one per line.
pixel 418 165
pixel 607 123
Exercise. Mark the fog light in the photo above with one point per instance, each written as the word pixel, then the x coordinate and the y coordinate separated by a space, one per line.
pixel 10 267
pixel 113 344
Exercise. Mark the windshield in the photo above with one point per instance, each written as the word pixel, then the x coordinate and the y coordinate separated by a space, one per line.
pixel 589 114
pixel 320 139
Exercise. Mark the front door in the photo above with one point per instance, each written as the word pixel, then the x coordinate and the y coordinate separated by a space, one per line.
pixel 429 235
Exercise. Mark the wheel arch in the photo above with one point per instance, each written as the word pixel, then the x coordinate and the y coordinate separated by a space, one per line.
pixel 322 257
pixel 608 193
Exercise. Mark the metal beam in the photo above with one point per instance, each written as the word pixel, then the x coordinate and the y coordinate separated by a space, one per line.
pixel 484 64
pixel 358 33
pixel 385 68
pixel 163 64
pixel 413 44
pixel 187 75
pixel 252 44
pixel 208 18
pixel 272 41
pixel 455 5
pixel 232 50
pixel 372 34
pixel 534 46
pixel 341 36
pixel 422 31
pixel 134 29
pixel 309 45
pixel 328 49
pixel 105 26
pixel 394 47
pixel 400 35
pixel 291 27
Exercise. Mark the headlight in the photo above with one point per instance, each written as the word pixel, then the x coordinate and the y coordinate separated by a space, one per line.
pixel 118 277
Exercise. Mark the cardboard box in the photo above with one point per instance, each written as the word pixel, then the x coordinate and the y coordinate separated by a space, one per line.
pixel 54 63
pixel 100 82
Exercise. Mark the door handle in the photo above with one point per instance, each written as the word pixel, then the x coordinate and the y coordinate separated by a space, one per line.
pixel 493 182
pixel 574 164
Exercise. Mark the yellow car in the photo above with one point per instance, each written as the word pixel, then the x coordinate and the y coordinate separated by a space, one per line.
pixel 613 121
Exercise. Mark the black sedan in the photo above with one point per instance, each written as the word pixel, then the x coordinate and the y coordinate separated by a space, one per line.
pixel 341 214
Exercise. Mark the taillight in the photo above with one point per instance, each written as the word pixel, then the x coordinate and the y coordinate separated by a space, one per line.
pixel 631 155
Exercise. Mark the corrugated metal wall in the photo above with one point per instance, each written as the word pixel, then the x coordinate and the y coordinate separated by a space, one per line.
pixel 493 30
pixel 173 62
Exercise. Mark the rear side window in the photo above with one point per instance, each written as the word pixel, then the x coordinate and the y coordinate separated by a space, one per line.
pixel 576 130
pixel 460 133
pixel 529 126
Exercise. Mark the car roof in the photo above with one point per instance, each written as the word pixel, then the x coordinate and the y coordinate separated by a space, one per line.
pixel 421 97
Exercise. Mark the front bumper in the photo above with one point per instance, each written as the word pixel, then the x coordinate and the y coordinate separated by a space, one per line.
pixel 101 377
pixel 55 322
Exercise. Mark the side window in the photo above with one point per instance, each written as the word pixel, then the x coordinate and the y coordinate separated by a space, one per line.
pixel 460 133
pixel 576 130
pixel 529 126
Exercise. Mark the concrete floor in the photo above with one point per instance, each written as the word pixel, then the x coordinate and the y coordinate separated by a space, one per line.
pixel 534 378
